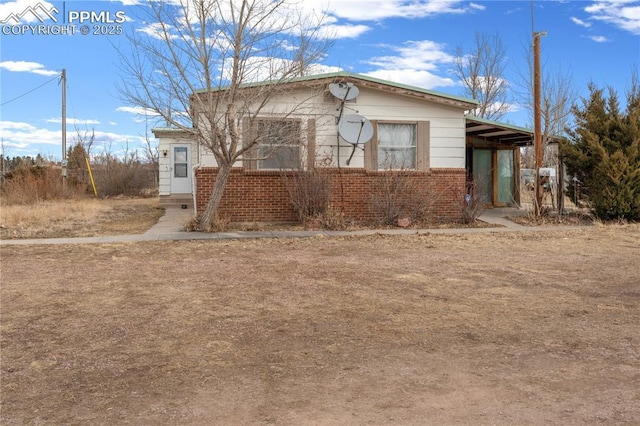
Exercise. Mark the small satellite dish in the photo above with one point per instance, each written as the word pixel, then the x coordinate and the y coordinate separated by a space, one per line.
pixel 344 91
pixel 355 129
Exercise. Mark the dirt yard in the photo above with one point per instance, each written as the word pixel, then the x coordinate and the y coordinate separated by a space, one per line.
pixel 523 328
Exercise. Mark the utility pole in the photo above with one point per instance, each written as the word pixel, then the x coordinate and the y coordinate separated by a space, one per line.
pixel 537 116
pixel 63 79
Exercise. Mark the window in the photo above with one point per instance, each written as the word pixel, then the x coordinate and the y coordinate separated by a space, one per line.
pixel 279 144
pixel 397 146
pixel 180 164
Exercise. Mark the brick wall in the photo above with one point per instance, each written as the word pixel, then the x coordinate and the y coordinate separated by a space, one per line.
pixel 261 196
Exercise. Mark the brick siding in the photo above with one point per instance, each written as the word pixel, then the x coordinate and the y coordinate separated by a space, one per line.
pixel 261 196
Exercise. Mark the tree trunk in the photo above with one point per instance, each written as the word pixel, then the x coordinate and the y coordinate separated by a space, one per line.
pixel 207 220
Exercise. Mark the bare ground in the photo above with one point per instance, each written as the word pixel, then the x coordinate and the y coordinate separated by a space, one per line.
pixel 531 328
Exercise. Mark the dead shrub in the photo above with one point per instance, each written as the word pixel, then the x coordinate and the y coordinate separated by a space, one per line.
pixel 398 194
pixel 122 176
pixel 31 185
pixel 220 224
pixel 333 219
pixel 473 204
pixel 309 191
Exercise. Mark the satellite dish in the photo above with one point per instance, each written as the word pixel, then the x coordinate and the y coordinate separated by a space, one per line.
pixel 355 129
pixel 344 91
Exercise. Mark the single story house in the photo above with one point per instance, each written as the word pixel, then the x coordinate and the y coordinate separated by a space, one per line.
pixel 425 135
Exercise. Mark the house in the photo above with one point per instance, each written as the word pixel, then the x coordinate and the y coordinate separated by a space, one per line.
pixel 425 134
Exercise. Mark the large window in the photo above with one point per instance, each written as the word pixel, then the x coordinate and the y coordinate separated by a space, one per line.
pixel 279 144
pixel 397 146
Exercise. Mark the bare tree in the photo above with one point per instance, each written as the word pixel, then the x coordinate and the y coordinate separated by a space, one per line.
pixel 481 74
pixel 150 149
pixel 199 62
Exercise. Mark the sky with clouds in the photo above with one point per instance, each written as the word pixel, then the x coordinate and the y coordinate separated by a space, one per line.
pixel 411 42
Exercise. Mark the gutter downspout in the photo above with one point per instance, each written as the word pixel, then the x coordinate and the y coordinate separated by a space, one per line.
pixel 194 182
pixel 193 188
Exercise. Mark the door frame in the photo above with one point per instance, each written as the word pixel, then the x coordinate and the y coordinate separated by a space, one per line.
pixel 494 173
pixel 180 184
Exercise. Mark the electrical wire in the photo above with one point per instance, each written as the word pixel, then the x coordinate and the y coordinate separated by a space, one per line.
pixel 30 91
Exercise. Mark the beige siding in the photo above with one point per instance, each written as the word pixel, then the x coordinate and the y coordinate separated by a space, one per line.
pixel 164 163
pixel 447 134
pixel 164 166
pixel 446 124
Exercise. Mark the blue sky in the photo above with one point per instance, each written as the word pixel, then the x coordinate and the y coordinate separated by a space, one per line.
pixel 410 42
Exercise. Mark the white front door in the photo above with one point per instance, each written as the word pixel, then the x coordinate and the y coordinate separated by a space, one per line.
pixel 180 169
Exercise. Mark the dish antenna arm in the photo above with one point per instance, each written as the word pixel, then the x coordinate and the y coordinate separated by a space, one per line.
pixel 342 101
pixel 355 145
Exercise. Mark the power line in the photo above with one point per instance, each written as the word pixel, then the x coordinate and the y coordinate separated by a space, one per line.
pixel 30 91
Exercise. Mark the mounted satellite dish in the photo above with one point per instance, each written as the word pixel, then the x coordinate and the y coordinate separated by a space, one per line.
pixel 344 91
pixel 355 129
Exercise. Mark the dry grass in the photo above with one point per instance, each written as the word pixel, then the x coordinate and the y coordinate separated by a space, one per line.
pixel 530 328
pixel 85 217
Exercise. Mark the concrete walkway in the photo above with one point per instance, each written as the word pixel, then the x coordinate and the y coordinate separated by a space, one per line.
pixel 170 227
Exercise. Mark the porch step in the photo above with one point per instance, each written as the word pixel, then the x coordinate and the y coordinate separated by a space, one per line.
pixel 176 201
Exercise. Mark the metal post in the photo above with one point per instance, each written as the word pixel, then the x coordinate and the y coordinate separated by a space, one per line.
pixel 560 175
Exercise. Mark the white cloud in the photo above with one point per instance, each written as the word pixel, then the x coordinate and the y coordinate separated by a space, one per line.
pixel 15 125
pixel 156 31
pixel 27 139
pixel 415 63
pixel 624 14
pixel 73 121
pixel 20 134
pixel 580 22
pixel 335 31
pixel 477 6
pixel 111 140
pixel 322 69
pixel 377 10
pixel 599 39
pixel 140 114
pixel 24 66
pixel 137 111
pixel 423 79
pixel 421 55
pixel 128 2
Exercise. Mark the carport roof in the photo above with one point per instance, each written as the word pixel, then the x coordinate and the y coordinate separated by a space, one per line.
pixel 493 131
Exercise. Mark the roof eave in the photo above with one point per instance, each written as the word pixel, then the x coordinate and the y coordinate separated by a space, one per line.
pixel 159 132
pixel 375 83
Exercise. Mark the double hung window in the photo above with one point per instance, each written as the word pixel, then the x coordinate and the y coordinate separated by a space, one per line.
pixel 397 144
pixel 279 144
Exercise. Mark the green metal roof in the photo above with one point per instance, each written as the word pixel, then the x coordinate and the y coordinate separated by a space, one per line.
pixel 483 128
pixel 344 75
